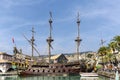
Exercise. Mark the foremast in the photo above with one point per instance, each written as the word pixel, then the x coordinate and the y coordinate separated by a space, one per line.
pixel 50 40
pixel 78 40
pixel 32 41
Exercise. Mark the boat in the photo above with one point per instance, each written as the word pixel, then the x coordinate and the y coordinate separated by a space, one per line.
pixel 51 68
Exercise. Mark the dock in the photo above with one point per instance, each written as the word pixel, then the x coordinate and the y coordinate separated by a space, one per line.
pixel 107 74
pixel 88 74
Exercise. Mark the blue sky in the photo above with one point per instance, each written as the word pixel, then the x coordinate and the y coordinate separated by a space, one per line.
pixel 99 19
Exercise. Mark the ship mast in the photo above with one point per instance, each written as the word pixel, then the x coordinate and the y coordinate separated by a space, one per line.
pixel 78 40
pixel 102 42
pixel 32 41
pixel 50 40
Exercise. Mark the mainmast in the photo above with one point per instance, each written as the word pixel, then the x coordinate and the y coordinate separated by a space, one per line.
pixel 78 40
pixel 32 41
pixel 50 40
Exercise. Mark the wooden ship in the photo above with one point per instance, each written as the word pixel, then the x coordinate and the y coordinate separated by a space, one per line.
pixel 51 68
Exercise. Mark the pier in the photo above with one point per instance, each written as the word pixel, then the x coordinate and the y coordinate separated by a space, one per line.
pixel 88 74
pixel 107 74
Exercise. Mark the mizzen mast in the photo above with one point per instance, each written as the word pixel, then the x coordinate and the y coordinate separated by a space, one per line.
pixel 50 40
pixel 78 40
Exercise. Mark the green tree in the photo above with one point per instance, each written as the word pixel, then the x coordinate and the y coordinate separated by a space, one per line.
pixel 103 52
pixel 112 45
pixel 116 39
pixel 89 55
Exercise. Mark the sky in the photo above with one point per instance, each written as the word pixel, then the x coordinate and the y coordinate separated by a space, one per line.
pixel 100 19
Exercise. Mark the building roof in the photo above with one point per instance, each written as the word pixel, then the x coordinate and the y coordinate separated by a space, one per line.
pixel 5 53
pixel 55 56
pixel 2 53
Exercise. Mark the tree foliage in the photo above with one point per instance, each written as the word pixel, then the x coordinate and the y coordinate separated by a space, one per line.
pixel 107 52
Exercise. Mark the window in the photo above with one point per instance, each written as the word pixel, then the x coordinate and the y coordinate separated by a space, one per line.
pixel 43 70
pixel 58 70
pixel 53 70
pixel 33 70
pixel 38 70
pixel 63 70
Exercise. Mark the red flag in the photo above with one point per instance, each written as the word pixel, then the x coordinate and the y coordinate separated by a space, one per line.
pixel 13 40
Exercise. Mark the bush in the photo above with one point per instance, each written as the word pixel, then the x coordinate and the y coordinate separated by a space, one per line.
pixel 98 66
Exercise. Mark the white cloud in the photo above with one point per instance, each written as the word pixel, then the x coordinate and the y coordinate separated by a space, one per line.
pixel 7 4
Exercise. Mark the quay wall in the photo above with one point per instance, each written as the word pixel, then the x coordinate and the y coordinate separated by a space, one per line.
pixel 107 74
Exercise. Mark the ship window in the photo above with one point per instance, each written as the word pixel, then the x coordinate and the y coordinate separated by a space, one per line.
pixel 68 70
pixel 59 71
pixel 43 70
pixel 48 71
pixel 63 70
pixel 38 70
pixel 33 70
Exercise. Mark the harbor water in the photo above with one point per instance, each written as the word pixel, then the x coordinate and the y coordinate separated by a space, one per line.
pixel 53 78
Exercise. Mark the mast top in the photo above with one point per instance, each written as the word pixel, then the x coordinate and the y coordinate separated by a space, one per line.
pixel 50 20
pixel 102 42
pixel 78 20
pixel 33 34
pixel 33 30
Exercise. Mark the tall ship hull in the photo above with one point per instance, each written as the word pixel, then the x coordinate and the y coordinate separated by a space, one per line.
pixel 52 69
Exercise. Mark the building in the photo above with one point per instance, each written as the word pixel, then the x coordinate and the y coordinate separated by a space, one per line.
pixel 60 58
pixel 5 62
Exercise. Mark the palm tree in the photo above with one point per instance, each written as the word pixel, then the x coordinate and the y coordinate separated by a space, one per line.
pixel 110 57
pixel 112 45
pixel 116 39
pixel 103 52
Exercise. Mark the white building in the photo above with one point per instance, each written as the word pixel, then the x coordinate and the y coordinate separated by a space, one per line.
pixel 5 61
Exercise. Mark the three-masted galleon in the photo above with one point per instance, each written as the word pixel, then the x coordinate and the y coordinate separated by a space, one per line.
pixel 55 65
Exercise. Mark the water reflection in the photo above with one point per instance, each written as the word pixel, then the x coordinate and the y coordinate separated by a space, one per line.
pixel 40 78
pixel 89 78
pixel 52 78
pixel 8 77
